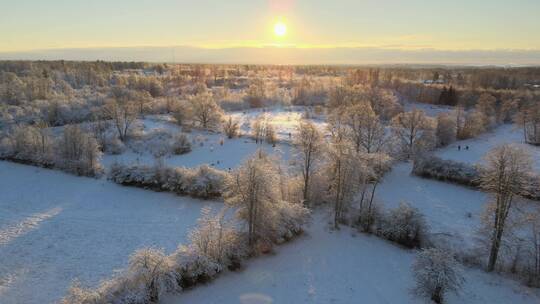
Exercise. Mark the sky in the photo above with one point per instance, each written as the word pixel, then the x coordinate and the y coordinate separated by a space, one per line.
pixel 411 25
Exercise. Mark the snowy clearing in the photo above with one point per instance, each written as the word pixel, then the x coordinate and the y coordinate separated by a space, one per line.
pixel 341 267
pixel 56 227
pixel 452 211
pixel 479 146
pixel 206 148
pixel 284 120
pixel 429 109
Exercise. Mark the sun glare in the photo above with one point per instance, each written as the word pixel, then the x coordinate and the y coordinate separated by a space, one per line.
pixel 280 29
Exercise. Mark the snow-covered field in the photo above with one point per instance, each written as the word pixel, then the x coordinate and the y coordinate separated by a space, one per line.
pixel 342 267
pixel 206 148
pixel 429 109
pixel 451 211
pixel 284 120
pixel 479 146
pixel 55 227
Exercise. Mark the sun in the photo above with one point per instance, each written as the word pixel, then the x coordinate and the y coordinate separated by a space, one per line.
pixel 280 29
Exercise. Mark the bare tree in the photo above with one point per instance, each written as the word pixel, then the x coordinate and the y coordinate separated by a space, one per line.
pixel 436 272
pixel 123 114
pixel 409 128
pixel 446 129
pixel 486 105
pixel 367 131
pixel 231 127
pixel 309 147
pixel 258 129
pixel 529 119
pixel 505 175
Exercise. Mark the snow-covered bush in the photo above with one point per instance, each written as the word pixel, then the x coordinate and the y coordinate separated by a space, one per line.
pixel 404 225
pixel 75 151
pixel 150 274
pixel 436 272
pixel 28 144
pixel 217 238
pixel 291 219
pixel 231 127
pixel 152 270
pixel 202 182
pixel 446 170
pixel 78 152
pixel 193 267
pixel 181 144
pixel 465 174
pixel 255 190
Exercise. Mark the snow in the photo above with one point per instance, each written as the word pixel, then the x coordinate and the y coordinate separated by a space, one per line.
pixel 206 149
pixel 452 211
pixel 479 146
pixel 341 267
pixel 429 109
pixel 284 120
pixel 55 227
pixel 230 155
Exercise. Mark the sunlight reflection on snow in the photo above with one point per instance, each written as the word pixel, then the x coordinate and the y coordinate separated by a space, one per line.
pixel 255 298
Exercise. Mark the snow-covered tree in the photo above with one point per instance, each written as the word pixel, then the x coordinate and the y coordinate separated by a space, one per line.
pixel 367 131
pixel 342 167
pixel 505 175
pixel 446 129
pixel 254 189
pixel 412 130
pixel 78 152
pixel 308 143
pixel 216 237
pixel 152 269
pixel 436 272
pixel 205 111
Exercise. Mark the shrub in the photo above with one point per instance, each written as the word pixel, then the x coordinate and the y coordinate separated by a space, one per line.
pixel 193 267
pixel 446 170
pixel 202 182
pixel 181 144
pixel 436 272
pixel 404 225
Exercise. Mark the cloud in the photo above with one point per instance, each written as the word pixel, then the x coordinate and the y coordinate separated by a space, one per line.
pixel 391 54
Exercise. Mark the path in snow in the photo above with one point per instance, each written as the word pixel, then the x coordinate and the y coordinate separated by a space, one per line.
pixel 30 223
pixel 99 226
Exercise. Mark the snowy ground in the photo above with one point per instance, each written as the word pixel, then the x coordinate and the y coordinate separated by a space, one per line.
pixel 479 146
pixel 429 109
pixel 206 148
pixel 451 211
pixel 284 120
pixel 341 267
pixel 55 227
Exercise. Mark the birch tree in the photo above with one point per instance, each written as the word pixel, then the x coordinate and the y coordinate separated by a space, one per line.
pixel 505 176
pixel 309 147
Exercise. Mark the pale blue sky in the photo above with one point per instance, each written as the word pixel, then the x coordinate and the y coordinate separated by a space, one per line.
pixel 449 25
